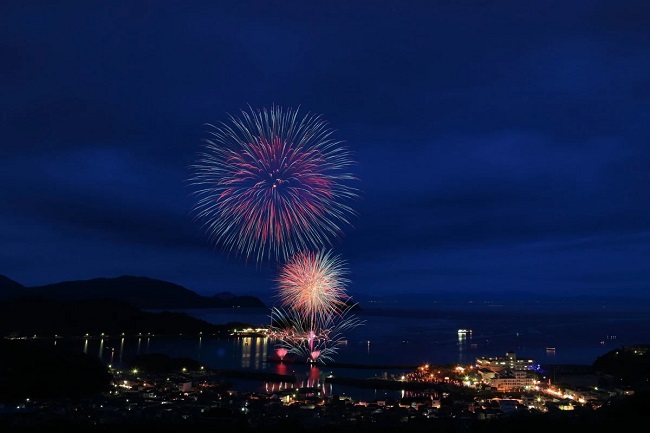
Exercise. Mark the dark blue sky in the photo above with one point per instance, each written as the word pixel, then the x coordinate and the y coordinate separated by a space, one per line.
pixel 502 146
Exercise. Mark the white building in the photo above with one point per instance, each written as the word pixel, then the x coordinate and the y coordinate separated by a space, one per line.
pixel 509 362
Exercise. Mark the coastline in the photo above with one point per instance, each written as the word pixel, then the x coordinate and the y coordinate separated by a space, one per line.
pixel 335 364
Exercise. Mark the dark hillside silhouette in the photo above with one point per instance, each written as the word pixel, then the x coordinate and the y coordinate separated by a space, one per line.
pixel 30 316
pixel 141 292
pixel 10 288
pixel 31 369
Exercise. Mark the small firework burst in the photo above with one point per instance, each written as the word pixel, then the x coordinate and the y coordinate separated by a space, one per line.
pixel 313 284
pixel 281 352
pixel 271 184
pixel 314 344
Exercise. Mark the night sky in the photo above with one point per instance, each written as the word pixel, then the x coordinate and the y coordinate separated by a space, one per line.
pixel 501 146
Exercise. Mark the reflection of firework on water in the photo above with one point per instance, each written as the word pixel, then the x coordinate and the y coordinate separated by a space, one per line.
pixel 313 285
pixel 272 184
pixel 316 344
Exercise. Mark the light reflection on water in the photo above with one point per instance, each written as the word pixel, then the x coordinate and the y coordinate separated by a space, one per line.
pixel 415 339
pixel 405 340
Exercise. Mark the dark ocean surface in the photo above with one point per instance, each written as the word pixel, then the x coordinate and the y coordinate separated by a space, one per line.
pixel 401 334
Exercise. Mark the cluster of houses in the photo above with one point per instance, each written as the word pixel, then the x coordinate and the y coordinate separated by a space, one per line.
pixel 494 387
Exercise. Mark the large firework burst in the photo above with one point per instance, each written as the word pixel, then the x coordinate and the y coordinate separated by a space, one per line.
pixel 271 184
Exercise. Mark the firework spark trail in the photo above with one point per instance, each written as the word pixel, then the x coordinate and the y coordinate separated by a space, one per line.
pixel 271 184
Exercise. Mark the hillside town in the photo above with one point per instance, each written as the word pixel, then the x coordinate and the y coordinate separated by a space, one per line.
pixel 492 392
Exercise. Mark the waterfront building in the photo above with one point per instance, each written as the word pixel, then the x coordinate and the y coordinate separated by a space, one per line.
pixel 509 362
pixel 514 380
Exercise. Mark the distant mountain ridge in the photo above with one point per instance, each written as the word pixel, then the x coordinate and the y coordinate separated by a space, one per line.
pixel 9 287
pixel 28 316
pixel 140 292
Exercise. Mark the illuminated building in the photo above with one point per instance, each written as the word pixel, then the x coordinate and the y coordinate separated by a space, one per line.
pixel 510 362
pixel 508 381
